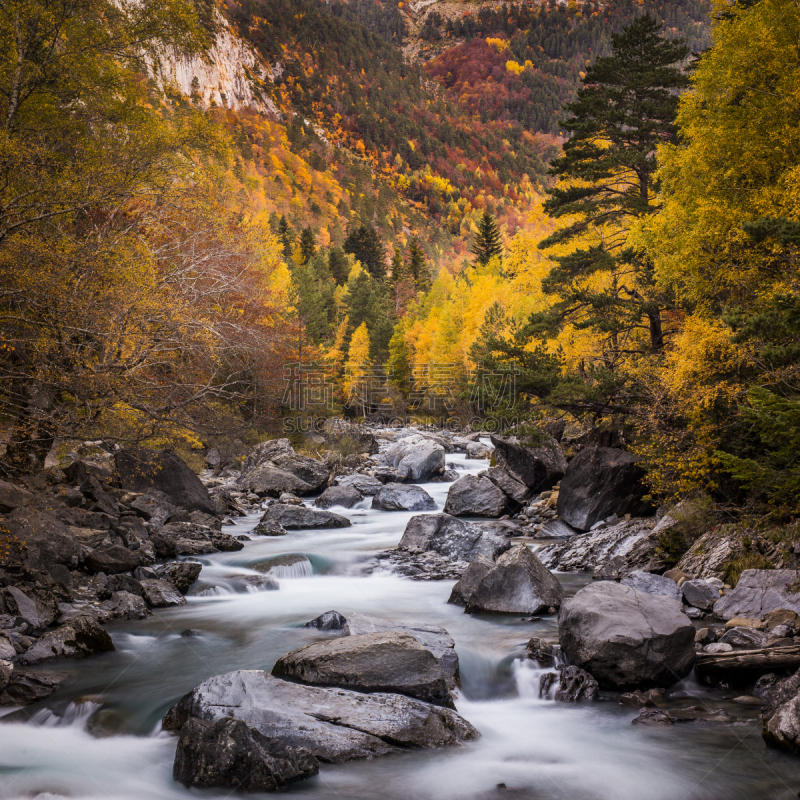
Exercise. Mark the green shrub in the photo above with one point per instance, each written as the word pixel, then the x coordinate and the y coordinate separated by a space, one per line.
pixel 735 568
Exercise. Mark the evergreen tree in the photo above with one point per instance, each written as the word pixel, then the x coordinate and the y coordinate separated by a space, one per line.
pixel 286 235
pixel 365 244
pixel 398 267
pixel 367 301
pixel 487 242
pixel 308 245
pixel 338 266
pixel 625 108
pixel 418 266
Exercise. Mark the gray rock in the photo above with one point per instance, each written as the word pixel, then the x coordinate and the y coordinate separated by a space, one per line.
pixel 626 639
pixel 435 639
pixel 156 508
pixel 653 716
pixel 12 497
pixel 160 594
pixel 6 671
pixel 699 594
pixel 48 541
pixel 7 650
pixel 329 621
pixel 478 450
pixel 536 467
pixel 28 607
pixel 112 559
pixel 364 484
pixel 509 485
pixel 780 713
pixel 576 684
pixel 541 652
pixel 81 637
pixel 272 468
pixel 516 583
pixel 181 574
pixel 26 687
pixel 650 583
pixel 390 661
pixel 125 605
pixel 254 583
pixel 334 725
pixel 294 518
pixel 718 648
pixel 450 537
pixel 556 529
pixel 599 482
pixel 760 591
pixel 140 470
pixel 475 496
pixel 344 496
pixel 400 497
pixel 416 458
pixel 746 638
pixel 227 753
pixel 268 526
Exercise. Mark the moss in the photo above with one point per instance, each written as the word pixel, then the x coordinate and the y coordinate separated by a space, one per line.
pixel 735 567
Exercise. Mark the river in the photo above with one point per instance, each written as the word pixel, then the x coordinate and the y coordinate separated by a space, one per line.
pixel 100 737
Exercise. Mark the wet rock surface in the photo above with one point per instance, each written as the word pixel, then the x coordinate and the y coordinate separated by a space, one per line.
pixel 401 497
pixel 475 496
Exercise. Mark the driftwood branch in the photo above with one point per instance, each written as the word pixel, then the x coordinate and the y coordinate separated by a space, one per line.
pixel 766 658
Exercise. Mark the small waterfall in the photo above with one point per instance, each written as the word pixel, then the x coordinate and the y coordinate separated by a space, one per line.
pixel 76 715
pixel 300 569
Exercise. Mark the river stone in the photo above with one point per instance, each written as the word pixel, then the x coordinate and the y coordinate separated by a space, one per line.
pixel 268 527
pixel 745 638
pixel 599 482
pixel 416 458
pixel 140 469
pixel 181 574
pixel 329 621
pixel 718 648
pixel 12 497
pixel 625 638
pixel 364 484
pixel 344 496
pixel 27 687
pixel 450 537
pixel 475 496
pixel 272 468
pixel 509 485
pixel 6 671
pixel 478 450
pixel 435 639
pixel 780 713
pixel 537 468
pixel 81 637
pixel 48 541
pixel 229 754
pixel 390 661
pixel 112 559
pixel 517 583
pixel 125 605
pixel 334 725
pixel 576 684
pixel 650 583
pixel 30 608
pixel 160 594
pixel 7 650
pixel 399 497
pixel 294 518
pixel 699 594
pixel 760 591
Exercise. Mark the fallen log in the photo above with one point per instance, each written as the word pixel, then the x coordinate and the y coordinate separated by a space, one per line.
pixel 742 666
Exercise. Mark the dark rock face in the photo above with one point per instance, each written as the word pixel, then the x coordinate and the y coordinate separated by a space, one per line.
pixel 450 537
pixel 516 583
pixel 626 639
pixel 227 753
pixel 268 527
pixel 81 637
pixel 371 662
pixel 760 591
pixel 294 518
pixel 599 482
pixel 272 468
pixel 26 687
pixel 140 470
pixel 700 594
pixel 334 725
pixel 29 607
pixel 537 468
pixel 112 559
pixel 780 714
pixel 509 485
pixel 12 497
pixel 475 496
pixel 125 605
pixel 48 541
pixel 345 496
pixel 575 684
pixel 160 594
pixel 650 583
pixel 181 574
pixel 329 621
pixel 403 497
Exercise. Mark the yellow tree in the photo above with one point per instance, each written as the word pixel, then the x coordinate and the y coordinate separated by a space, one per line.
pixel 357 370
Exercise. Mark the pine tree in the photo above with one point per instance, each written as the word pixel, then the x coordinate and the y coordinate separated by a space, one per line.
pixel 286 235
pixel 487 242
pixel 625 108
pixel 365 244
pixel 308 245
pixel 338 266
pixel 418 266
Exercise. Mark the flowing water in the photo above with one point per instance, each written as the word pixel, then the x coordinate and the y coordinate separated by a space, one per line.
pixel 100 736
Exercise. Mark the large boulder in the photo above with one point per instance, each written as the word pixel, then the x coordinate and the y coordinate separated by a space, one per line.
pixel 402 497
pixel 599 482
pixel 450 537
pixel 760 591
pixel 780 714
pixel 294 518
pixel 28 606
pixel 140 469
pixel 364 484
pixel 272 468
pixel 112 559
pixel 159 593
pixel 344 496
pixel 516 583
pixel 181 574
pixel 47 540
pixel 650 583
pixel 416 458
pixel 227 753
pixel 435 639
pixel 509 485
pixel 537 468
pixel 81 637
pixel 475 496
pixel 30 686
pixel 334 725
pixel 390 661
pixel 12 497
pixel 626 639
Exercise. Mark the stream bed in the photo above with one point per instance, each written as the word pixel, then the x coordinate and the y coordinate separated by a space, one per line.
pixel 100 735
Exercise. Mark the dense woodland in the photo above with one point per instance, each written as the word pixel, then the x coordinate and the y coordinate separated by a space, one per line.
pixel 410 226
